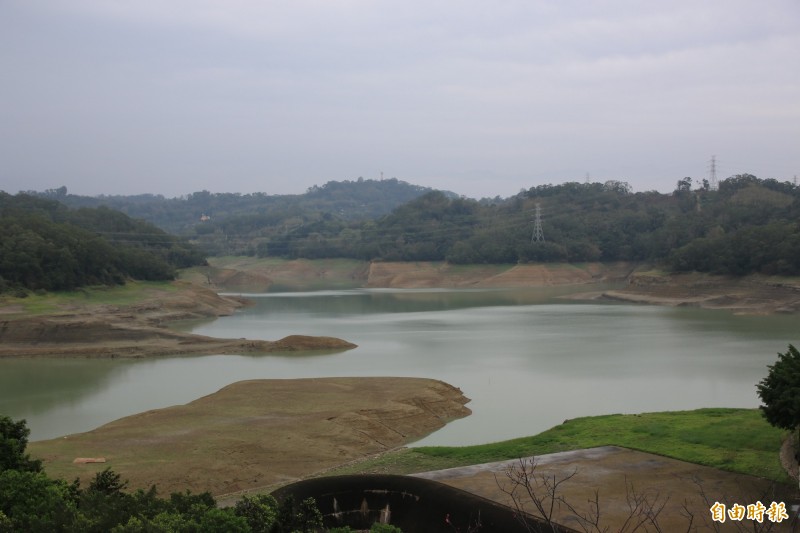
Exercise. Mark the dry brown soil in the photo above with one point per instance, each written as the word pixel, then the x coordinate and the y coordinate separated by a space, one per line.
pixel 138 329
pixel 260 433
pixel 751 294
pixel 256 276
pixel 438 275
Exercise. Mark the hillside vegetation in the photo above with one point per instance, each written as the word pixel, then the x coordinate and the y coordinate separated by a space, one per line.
pixel 232 215
pixel 747 226
pixel 46 246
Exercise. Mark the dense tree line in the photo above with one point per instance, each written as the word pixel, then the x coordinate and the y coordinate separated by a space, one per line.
pixel 747 225
pixel 44 245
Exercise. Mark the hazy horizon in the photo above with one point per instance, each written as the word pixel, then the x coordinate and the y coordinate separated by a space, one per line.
pixel 176 96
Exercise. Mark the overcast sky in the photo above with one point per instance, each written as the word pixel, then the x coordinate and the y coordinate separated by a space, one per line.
pixel 479 97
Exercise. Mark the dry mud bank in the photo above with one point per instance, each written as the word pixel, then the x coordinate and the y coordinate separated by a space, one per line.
pixel 137 329
pixel 443 275
pixel 753 294
pixel 746 295
pixel 259 433
pixel 140 329
pixel 259 275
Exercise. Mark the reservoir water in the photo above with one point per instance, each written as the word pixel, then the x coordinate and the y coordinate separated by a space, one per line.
pixel 528 359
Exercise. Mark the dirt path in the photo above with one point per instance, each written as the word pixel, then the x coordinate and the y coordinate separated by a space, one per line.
pixel 256 434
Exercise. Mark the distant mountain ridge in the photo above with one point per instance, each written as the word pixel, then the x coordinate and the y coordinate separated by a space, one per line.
pixel 350 200
pixel 744 225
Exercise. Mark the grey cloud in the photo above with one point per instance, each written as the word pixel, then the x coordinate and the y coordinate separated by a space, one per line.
pixel 174 96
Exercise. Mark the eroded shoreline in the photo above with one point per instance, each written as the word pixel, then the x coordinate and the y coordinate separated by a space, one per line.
pixel 754 294
pixel 140 329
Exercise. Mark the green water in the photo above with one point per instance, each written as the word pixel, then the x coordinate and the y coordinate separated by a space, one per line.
pixel 527 359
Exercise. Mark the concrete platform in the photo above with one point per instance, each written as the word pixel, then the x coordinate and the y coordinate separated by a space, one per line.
pixel 681 487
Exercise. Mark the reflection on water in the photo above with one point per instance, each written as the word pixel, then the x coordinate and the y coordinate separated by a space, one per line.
pixel 49 393
pixel 527 359
pixel 36 385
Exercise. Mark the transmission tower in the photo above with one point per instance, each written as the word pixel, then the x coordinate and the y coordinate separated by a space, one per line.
pixel 537 235
pixel 712 173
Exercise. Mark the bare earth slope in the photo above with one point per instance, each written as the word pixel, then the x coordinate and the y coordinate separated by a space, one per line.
pixel 752 294
pixel 258 275
pixel 258 433
pixel 437 275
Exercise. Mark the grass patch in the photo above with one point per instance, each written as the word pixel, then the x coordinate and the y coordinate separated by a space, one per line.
pixel 736 440
pixel 55 302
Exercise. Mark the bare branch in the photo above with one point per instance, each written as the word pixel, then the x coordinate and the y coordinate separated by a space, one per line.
pixel 540 496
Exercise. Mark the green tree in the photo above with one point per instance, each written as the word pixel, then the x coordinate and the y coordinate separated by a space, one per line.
pixel 13 441
pixel 384 528
pixel 780 391
pixel 304 517
pixel 308 516
pixel 6 526
pixel 104 504
pixel 217 520
pixel 33 502
pixel 261 512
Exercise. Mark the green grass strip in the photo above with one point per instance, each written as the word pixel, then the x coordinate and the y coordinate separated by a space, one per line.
pixel 736 440
pixel 54 302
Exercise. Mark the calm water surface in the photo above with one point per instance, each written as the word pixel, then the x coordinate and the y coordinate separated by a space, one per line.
pixel 526 358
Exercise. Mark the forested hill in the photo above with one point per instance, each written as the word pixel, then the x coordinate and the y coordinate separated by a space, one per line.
pixel 747 225
pixel 231 212
pixel 44 245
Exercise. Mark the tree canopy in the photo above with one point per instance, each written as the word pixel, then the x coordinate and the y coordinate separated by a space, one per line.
pixel 13 442
pixel 780 391
pixel 44 245
pixel 747 225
